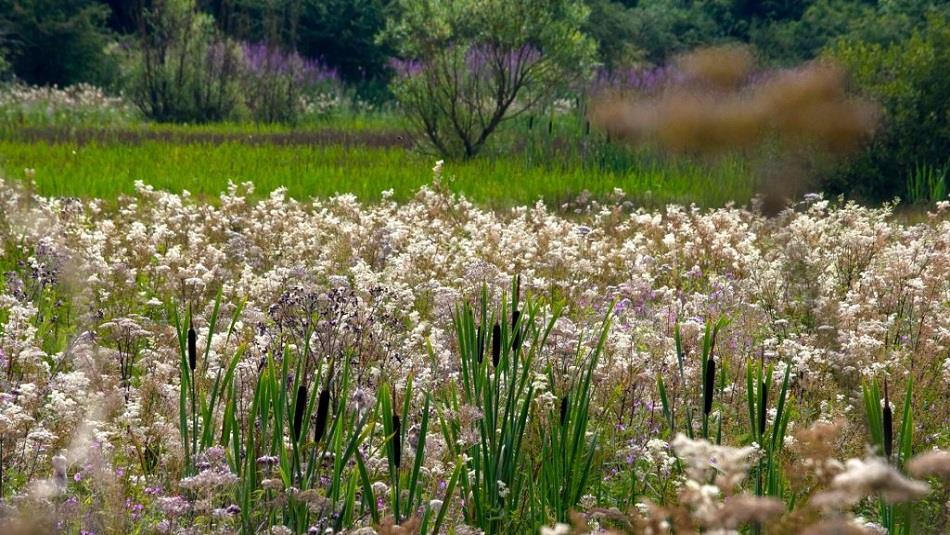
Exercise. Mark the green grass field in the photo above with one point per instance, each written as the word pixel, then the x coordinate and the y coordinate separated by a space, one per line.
pixel 106 170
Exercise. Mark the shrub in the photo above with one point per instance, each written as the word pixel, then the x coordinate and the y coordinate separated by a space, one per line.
pixel 468 65
pixel 183 70
pixel 911 82
pixel 277 84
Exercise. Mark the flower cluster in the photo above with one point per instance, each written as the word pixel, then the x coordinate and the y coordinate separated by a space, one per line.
pixel 80 104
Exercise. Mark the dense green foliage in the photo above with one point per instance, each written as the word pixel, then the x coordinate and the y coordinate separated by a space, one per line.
pixel 911 80
pixel 72 36
pixel 785 32
pixel 51 41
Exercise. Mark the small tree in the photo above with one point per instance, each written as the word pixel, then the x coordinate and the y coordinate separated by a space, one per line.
pixel 468 65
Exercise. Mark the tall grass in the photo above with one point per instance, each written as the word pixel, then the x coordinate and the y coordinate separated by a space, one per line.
pixel 109 170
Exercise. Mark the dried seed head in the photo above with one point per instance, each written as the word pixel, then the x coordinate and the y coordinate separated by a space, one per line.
pixel 299 407
pixel 763 407
pixel 323 409
pixel 933 463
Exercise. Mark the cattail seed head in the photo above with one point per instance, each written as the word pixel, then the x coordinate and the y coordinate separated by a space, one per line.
pixel 517 329
pixel 564 406
pixel 323 409
pixel 495 344
pixel 887 418
pixel 763 407
pixel 397 441
pixel 298 411
pixel 192 348
pixel 480 342
pixel 710 385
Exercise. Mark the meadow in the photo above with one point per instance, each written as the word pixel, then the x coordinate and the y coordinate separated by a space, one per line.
pixel 263 364
pixel 514 294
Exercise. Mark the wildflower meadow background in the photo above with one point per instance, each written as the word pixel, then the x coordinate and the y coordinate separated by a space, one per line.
pixel 474 267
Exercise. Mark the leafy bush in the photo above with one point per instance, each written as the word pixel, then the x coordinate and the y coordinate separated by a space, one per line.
pixel 912 83
pixel 183 70
pixel 468 65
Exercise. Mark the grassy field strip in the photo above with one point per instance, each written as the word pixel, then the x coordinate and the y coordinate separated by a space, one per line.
pixel 108 170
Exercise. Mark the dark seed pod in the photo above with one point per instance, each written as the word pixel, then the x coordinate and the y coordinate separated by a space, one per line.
pixel 564 405
pixel 323 409
pixel 516 329
pixel 192 348
pixel 888 421
pixel 495 344
pixel 298 411
pixel 710 385
pixel 397 441
pixel 763 407
pixel 480 342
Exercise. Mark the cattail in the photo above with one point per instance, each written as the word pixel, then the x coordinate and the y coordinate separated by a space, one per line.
pixel 495 344
pixel 564 404
pixel 480 341
pixel 192 348
pixel 888 420
pixel 516 329
pixel 397 441
pixel 323 408
pixel 710 385
pixel 298 411
pixel 763 407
